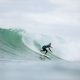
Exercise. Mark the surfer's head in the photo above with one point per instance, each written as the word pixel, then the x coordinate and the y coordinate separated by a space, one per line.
pixel 50 44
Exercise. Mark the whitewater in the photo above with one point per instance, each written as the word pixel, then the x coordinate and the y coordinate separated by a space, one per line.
pixel 20 57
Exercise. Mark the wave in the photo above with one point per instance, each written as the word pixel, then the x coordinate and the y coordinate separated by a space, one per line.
pixel 16 44
pixel 10 42
pixel 35 43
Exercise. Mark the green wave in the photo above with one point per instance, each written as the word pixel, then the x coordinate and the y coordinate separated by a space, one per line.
pixel 12 45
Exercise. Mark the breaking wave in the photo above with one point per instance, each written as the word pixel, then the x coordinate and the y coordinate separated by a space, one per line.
pixel 18 44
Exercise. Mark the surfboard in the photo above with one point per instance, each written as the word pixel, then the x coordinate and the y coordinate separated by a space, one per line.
pixel 43 57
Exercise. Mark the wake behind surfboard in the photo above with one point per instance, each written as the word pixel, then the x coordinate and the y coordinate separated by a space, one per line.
pixel 43 57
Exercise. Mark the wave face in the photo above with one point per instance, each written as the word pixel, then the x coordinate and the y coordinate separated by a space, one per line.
pixel 15 44
pixel 10 43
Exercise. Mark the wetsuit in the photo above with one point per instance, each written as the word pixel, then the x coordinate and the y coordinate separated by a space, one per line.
pixel 44 48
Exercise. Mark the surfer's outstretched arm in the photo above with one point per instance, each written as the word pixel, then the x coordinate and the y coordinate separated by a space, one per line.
pixel 50 49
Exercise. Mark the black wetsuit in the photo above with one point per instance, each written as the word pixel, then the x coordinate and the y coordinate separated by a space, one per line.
pixel 44 48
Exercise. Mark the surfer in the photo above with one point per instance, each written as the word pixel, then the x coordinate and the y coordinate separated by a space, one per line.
pixel 44 48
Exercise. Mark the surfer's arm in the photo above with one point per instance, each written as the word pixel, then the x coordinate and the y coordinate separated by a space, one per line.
pixel 50 49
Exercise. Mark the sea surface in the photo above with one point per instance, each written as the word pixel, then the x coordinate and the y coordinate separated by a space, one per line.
pixel 21 59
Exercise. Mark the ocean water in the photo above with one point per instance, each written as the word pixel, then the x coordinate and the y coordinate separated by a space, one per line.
pixel 17 44
pixel 20 58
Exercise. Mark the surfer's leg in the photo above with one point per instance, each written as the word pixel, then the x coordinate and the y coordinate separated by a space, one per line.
pixel 46 51
pixel 43 49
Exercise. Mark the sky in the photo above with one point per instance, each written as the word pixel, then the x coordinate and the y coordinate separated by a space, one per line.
pixel 60 17
pixel 52 17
